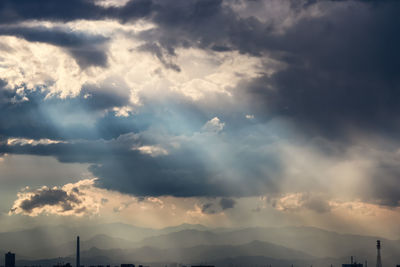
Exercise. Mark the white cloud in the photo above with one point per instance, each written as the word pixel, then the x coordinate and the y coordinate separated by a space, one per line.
pixel 153 151
pixel 40 66
pixel 295 202
pixel 122 111
pixel 76 199
pixel 214 125
pixel 111 3
pixel 249 116
pixel 205 74
pixel 33 142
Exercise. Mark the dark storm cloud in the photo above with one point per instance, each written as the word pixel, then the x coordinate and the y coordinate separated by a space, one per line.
pixel 343 72
pixel 64 152
pixel 156 50
pixel 105 96
pixel 87 50
pixel 383 182
pixel 223 204
pixel 50 197
pixel 342 68
pixel 227 203
pixel 5 95
pixel 132 10
pixel 20 118
pixel 183 173
pixel 316 203
pixel 208 208
pixel 12 11
pixel 206 24
pixel 19 10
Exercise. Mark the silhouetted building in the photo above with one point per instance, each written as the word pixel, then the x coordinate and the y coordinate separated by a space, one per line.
pixel 352 264
pixel 127 265
pixel 378 254
pixel 203 266
pixel 63 265
pixel 10 259
pixel 355 264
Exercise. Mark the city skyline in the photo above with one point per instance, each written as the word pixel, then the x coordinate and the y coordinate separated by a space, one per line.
pixel 246 122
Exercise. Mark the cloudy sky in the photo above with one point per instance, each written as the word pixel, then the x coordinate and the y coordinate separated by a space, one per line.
pixel 227 113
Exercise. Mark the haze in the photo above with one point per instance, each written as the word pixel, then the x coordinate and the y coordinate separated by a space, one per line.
pixel 243 125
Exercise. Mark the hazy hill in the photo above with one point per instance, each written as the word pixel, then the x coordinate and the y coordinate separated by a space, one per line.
pixel 99 241
pixel 186 255
pixel 60 241
pixel 184 226
pixel 52 241
pixel 317 242
pixel 184 238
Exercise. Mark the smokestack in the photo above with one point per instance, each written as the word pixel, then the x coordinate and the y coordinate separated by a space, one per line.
pixel 78 256
pixel 378 254
pixel 351 260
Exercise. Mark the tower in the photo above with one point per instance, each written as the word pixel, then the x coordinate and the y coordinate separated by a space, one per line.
pixel 78 256
pixel 378 255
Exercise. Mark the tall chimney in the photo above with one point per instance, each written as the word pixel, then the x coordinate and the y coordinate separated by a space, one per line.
pixel 78 256
pixel 378 254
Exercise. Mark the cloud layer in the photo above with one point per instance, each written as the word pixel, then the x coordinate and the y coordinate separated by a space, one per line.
pixel 229 99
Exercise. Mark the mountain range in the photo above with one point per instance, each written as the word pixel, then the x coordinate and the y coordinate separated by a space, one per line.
pixel 191 244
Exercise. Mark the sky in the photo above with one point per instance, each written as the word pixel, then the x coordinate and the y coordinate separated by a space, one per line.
pixel 226 113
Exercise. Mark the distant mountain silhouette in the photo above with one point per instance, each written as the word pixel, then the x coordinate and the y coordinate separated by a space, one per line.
pixel 317 242
pixel 187 255
pixel 196 242
pixel 184 226
pixel 59 240
pixel 184 238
